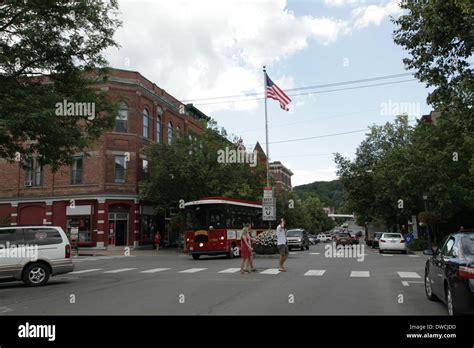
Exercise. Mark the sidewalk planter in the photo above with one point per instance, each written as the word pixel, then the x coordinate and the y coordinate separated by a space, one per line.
pixel 266 243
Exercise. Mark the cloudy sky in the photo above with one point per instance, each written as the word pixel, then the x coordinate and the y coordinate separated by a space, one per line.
pixel 200 49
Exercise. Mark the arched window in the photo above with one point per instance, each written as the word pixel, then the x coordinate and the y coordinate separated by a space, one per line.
pixel 170 133
pixel 121 121
pixel 159 113
pixel 146 122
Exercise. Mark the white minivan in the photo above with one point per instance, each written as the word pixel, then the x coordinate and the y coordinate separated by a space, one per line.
pixel 33 253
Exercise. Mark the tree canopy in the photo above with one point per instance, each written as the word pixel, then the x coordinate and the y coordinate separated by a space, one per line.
pixel 52 51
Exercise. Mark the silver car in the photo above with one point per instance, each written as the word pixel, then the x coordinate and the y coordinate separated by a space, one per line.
pixel 33 253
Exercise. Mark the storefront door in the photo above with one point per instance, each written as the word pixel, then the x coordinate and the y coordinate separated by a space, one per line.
pixel 118 228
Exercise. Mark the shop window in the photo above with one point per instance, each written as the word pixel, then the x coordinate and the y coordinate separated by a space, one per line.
pixel 149 227
pixel 83 224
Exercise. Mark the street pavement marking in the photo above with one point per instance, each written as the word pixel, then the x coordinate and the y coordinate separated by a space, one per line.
pixel 360 274
pixel 313 272
pixel 192 270
pixel 314 253
pixel 413 255
pixel 230 270
pixel 408 275
pixel 120 270
pixel 293 253
pixel 386 254
pixel 154 270
pixel 86 271
pixel 406 283
pixel 271 271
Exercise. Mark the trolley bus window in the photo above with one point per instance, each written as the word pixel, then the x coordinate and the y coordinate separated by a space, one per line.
pixel 216 218
pixel 196 218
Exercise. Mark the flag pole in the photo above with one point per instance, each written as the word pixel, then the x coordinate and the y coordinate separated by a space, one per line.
pixel 266 134
pixel 266 125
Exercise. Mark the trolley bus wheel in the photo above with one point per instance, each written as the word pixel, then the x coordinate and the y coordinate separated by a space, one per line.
pixel 196 256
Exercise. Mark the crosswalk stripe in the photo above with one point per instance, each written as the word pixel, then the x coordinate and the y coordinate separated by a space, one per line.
pixel 408 275
pixel 120 270
pixel 154 270
pixel 386 254
pixel 193 270
pixel 360 274
pixel 230 270
pixel 86 271
pixel 313 272
pixel 271 271
pixel 314 253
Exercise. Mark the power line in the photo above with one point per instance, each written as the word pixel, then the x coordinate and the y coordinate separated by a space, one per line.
pixel 306 87
pixel 307 93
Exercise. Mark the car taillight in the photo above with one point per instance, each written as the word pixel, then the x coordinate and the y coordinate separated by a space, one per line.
pixel 402 241
pixel 466 272
pixel 68 251
pixel 382 241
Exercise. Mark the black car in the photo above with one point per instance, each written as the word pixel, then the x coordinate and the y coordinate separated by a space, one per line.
pixel 449 273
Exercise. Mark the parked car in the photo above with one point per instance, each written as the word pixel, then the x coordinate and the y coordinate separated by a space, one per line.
pixel 297 238
pixel 323 238
pixel 313 240
pixel 343 239
pixel 449 273
pixel 355 238
pixel 375 242
pixel 392 242
pixel 46 252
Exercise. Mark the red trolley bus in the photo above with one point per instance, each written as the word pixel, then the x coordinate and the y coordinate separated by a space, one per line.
pixel 214 225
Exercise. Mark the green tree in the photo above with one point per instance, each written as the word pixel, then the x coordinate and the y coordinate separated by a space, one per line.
pixel 51 51
pixel 189 169
pixel 439 36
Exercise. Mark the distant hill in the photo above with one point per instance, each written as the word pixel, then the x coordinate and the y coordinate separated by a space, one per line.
pixel 330 192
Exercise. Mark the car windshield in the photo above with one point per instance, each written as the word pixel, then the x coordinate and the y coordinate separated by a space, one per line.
pixel 294 233
pixel 344 235
pixel 467 243
pixel 392 235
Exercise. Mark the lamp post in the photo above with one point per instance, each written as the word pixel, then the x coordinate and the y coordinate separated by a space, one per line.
pixel 425 199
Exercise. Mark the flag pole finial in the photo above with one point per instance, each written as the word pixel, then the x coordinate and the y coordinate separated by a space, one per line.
pixel 264 68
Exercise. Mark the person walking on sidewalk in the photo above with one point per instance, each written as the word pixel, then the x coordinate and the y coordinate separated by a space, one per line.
pixel 281 243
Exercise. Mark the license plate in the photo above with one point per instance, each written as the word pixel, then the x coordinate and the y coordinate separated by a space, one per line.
pixel 393 241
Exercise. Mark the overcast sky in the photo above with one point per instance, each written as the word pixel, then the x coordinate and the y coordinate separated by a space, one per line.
pixel 199 49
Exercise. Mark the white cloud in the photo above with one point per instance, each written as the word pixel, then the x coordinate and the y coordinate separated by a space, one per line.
pixel 207 48
pixel 374 14
pixel 340 3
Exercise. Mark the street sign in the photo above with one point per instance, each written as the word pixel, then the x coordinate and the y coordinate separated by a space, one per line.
pixel 269 213
pixel 268 205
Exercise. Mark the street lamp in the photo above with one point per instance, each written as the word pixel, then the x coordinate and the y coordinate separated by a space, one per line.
pixel 425 199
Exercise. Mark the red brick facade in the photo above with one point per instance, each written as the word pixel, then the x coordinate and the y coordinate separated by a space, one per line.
pixel 99 204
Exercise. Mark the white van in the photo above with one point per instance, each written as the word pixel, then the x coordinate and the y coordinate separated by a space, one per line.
pixel 33 253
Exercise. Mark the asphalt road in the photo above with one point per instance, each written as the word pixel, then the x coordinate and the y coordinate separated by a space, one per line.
pixel 155 284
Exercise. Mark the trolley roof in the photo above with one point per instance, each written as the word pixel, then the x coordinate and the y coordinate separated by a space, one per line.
pixel 224 200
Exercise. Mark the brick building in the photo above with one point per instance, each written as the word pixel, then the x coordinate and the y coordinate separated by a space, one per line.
pixel 278 172
pixel 98 193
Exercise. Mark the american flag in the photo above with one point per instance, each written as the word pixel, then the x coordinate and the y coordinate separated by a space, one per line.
pixel 274 92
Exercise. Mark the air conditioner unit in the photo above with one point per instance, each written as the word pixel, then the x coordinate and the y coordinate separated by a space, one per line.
pixel 28 183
